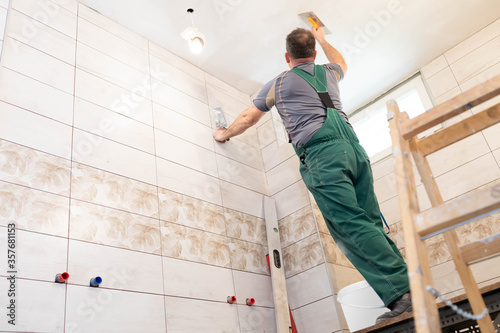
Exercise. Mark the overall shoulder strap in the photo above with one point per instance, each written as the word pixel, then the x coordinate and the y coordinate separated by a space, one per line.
pixel 317 81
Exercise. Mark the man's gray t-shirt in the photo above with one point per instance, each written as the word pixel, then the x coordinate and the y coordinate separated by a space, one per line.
pixel 298 104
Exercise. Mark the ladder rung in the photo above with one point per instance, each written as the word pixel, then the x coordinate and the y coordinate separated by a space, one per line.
pixel 459 131
pixel 451 108
pixel 451 213
pixel 482 248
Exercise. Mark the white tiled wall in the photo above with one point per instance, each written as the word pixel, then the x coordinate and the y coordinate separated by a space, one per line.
pixel 108 168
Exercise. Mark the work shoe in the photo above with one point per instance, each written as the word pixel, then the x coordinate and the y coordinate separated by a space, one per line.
pixel 398 307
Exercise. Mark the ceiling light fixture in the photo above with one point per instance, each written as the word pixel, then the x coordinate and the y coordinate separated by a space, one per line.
pixel 196 40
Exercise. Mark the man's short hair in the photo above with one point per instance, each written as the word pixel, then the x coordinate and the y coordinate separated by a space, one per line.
pixel 300 43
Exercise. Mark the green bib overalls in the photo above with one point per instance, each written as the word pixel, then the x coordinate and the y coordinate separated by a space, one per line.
pixel 337 171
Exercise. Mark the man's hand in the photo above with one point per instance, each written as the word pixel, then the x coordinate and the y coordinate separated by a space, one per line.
pixel 331 53
pixel 219 135
pixel 319 34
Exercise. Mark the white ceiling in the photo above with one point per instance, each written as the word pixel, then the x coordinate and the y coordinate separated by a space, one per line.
pixel 245 38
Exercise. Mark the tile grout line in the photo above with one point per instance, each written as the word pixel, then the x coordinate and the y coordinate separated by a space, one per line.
pixel 71 170
pixel 158 194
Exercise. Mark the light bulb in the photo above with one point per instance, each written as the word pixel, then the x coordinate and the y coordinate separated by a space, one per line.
pixel 196 44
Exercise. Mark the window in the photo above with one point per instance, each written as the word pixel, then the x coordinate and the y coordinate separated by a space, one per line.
pixel 370 122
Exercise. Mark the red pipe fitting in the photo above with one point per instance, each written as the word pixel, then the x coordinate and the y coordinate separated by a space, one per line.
pixel 62 277
pixel 231 299
pixel 250 301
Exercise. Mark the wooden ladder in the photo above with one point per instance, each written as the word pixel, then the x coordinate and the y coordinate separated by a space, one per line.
pixel 442 217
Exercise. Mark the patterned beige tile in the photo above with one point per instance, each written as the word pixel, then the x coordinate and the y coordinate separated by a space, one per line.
pixel 34 210
pixel 320 221
pixel 297 226
pixel 397 235
pixel 302 255
pixel 194 245
pixel 333 253
pixel 181 209
pixel 245 227
pixel 34 169
pixel 104 188
pixel 248 257
pixel 101 225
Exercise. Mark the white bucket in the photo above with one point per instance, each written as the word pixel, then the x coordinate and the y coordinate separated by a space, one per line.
pixel 361 305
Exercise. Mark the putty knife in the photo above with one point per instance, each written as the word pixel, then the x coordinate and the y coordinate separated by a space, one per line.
pixel 312 20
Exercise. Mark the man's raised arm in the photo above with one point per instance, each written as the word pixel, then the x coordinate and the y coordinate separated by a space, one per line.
pixel 331 53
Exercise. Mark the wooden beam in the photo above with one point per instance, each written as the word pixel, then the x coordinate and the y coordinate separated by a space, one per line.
pixel 482 248
pixel 459 131
pixel 464 208
pixel 446 110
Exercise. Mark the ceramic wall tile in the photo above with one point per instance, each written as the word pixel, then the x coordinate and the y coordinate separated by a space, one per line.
pixel 185 153
pixel 226 88
pixel 318 317
pixel 4 3
pixel 24 29
pixel 342 276
pixel 256 286
pixel 241 152
pixel 273 154
pixel 473 174
pixel 492 136
pixel 448 95
pixel 190 212
pixel 477 61
pixel 135 104
pixel 178 178
pixel 442 82
pixel 385 187
pixel 484 76
pixel 114 126
pixel 102 225
pixel 496 154
pixel 434 66
pixel 37 65
pixel 33 210
pixel 213 317
pixel 173 60
pixel 308 287
pixel 112 27
pixel 458 154
pixel 303 255
pixel 112 70
pixel 245 227
pixel 105 310
pixel 241 199
pixel 391 211
pixel 111 156
pixel 250 136
pixel 49 13
pixel 297 226
pixel 177 78
pixel 36 96
pixel 194 245
pixel 291 199
pixel 231 105
pixel 283 175
pixel 182 126
pixel 474 42
pixel 104 41
pixel 318 216
pixel 193 280
pixel 180 102
pixel 249 257
pixel 107 189
pixel 333 254
pixel 38 256
pixel 118 268
pixel 70 5
pixel 39 306
pixel 383 167
pixel 3 20
pixel 256 319
pixel 28 167
pixel 241 174
pixel 266 133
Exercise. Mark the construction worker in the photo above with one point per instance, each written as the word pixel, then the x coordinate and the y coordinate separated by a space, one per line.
pixel 334 167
